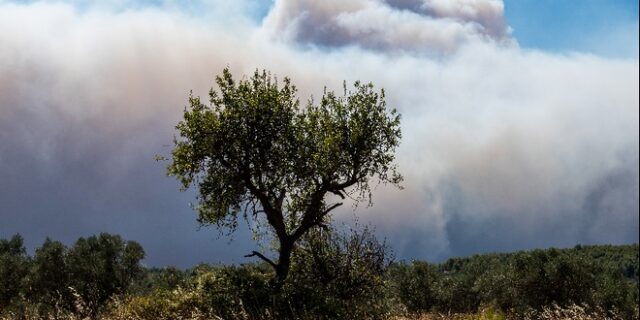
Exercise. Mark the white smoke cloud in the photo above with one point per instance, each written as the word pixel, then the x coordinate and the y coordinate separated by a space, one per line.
pixel 502 148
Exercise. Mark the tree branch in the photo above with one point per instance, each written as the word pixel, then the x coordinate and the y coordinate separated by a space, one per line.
pixel 274 215
pixel 338 193
pixel 261 256
pixel 324 213
pixel 342 185
pixel 281 196
pixel 309 221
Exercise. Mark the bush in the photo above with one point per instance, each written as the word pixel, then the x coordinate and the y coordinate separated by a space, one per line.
pixel 415 285
pixel 234 291
pixel 535 279
pixel 339 276
pixel 574 311
pixel 210 292
pixel 167 278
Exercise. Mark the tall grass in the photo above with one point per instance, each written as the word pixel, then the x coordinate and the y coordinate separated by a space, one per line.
pixel 156 307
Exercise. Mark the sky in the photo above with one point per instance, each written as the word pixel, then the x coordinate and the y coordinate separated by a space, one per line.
pixel 519 118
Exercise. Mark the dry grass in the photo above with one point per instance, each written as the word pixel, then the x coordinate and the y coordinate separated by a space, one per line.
pixel 577 312
pixel 554 312
pixel 121 309
pixel 484 314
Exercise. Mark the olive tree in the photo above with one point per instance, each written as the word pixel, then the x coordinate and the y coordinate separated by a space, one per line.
pixel 253 152
pixel 100 266
pixel 14 265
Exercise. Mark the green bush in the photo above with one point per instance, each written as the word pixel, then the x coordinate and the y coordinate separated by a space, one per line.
pixel 339 276
pixel 209 292
pixel 415 285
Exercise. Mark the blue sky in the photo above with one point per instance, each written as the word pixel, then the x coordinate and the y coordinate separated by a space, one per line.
pixel 511 141
pixel 583 25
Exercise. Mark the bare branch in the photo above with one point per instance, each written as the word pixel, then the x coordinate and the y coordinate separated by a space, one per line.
pixel 325 212
pixel 309 221
pixel 338 193
pixel 261 256
pixel 342 185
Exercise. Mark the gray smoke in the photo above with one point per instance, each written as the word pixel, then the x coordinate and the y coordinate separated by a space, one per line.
pixel 431 27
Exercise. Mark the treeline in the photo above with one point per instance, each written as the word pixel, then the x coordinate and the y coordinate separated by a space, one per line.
pixel 602 276
pixel 333 276
pixel 80 279
pixel 344 284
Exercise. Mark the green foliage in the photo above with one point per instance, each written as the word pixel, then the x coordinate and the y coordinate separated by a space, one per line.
pixel 598 276
pixel 333 276
pixel 230 291
pixel 48 280
pixel 167 278
pixel 209 292
pixel 101 266
pixel 339 276
pixel 248 144
pixel 14 265
pixel 551 276
pixel 415 285
pixel 81 278
pixel 254 151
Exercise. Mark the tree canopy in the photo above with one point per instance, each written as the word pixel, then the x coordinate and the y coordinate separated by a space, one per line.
pixel 253 152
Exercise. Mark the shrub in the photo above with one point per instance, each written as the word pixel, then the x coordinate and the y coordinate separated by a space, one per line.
pixel 574 311
pixel 339 276
pixel 415 285
pixel 209 293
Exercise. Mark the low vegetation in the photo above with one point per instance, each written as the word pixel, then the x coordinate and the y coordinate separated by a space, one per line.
pixel 333 276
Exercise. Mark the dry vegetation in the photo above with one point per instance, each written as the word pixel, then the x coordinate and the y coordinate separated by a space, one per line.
pixel 127 309
pixel 554 312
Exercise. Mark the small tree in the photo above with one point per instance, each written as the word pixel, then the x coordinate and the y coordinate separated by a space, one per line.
pixel 254 152
pixel 48 279
pixel 14 265
pixel 101 266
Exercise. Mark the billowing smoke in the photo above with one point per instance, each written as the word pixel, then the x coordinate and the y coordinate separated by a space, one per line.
pixel 432 27
pixel 503 148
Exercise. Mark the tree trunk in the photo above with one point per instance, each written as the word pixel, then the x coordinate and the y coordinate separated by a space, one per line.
pixel 284 261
